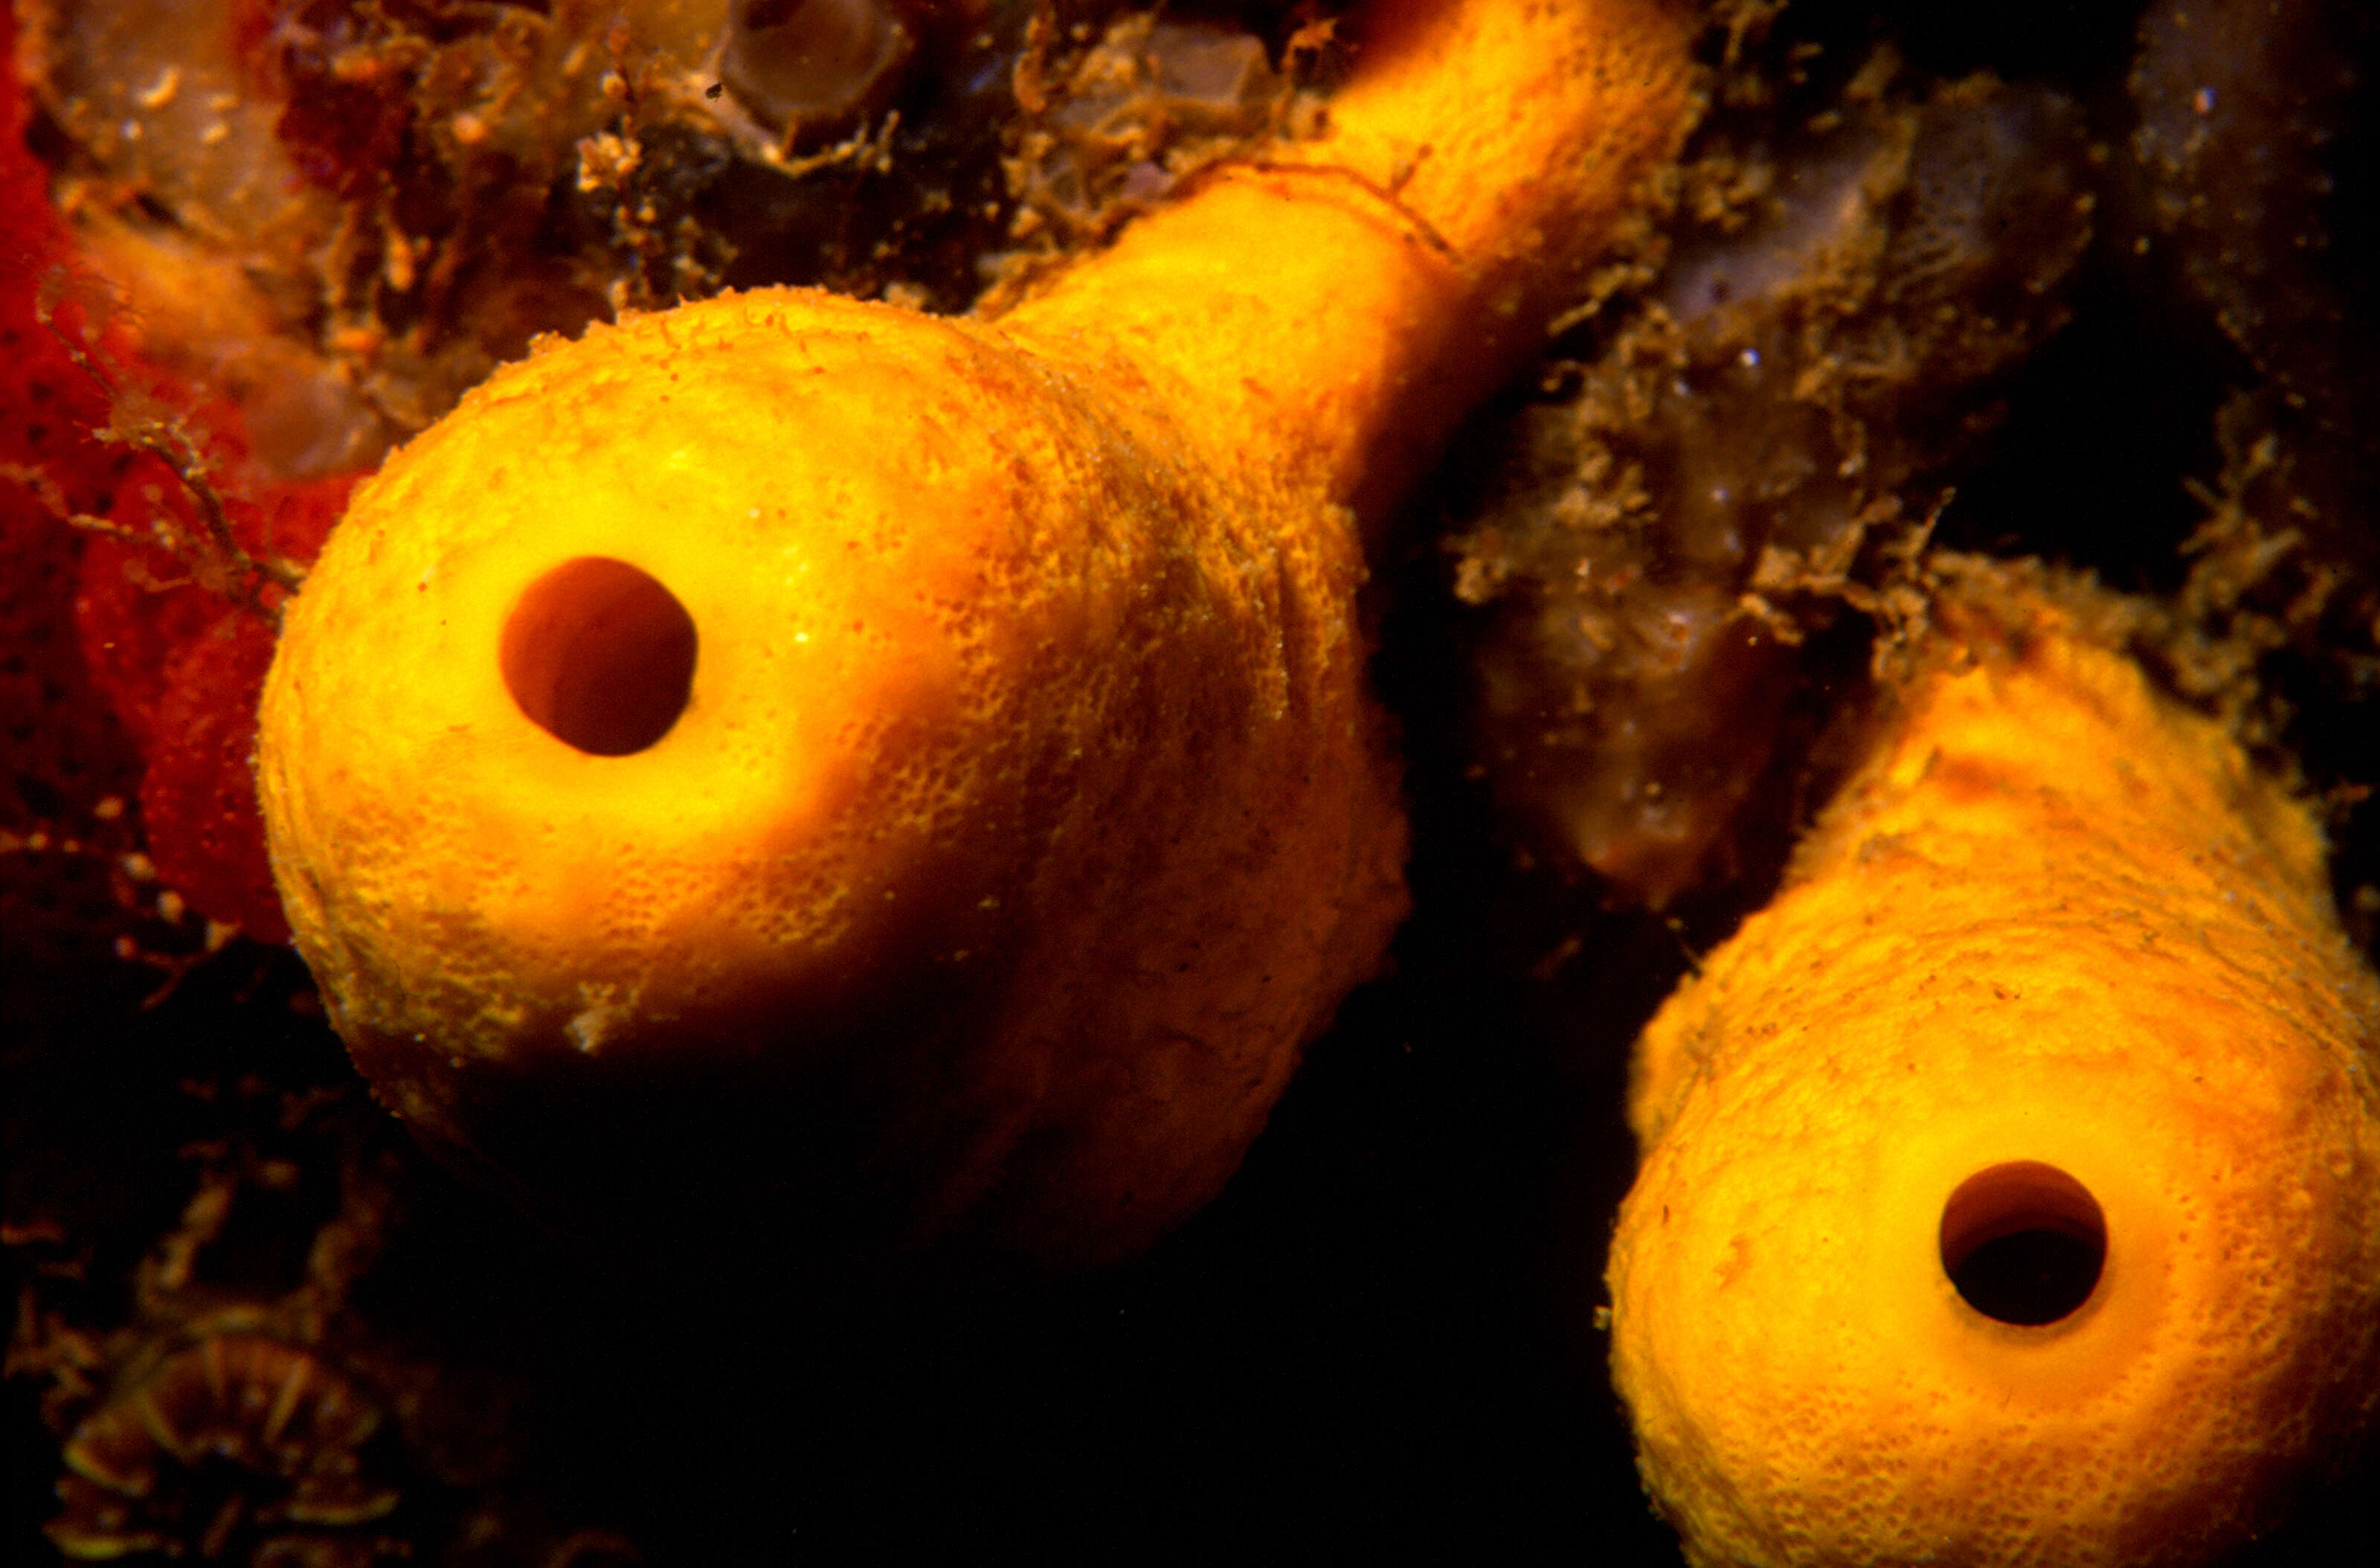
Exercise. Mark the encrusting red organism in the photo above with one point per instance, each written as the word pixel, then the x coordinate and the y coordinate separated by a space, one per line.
pixel 179 661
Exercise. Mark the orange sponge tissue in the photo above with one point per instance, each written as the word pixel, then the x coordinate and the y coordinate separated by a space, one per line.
pixel 2011 1184
pixel 905 780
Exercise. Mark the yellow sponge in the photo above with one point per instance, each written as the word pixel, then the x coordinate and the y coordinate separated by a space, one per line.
pixel 793 773
pixel 2011 1184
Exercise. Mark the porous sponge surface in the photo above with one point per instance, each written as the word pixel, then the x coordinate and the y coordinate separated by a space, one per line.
pixel 1027 811
pixel 2055 919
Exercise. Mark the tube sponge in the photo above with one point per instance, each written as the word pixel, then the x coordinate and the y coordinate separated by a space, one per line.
pixel 2010 1186
pixel 797 769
